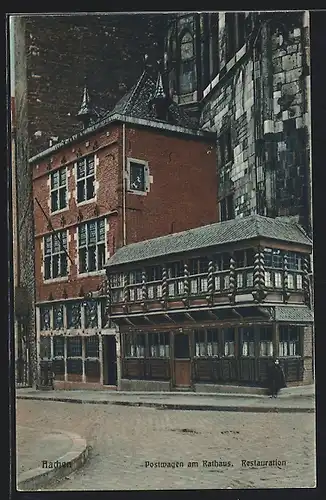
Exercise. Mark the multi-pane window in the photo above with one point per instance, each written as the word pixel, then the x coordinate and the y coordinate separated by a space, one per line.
pixel 273 257
pixel 206 342
pixel 266 341
pixel 74 346
pixel 135 345
pixel 239 280
pixel 85 178
pixel 229 341
pixel 73 314
pixel 250 279
pixel 159 345
pixel 247 337
pixel 135 277
pixel 199 266
pixel 137 176
pixel 91 245
pixel 90 311
pixel 289 340
pixel 92 347
pixel 55 255
pixel 221 262
pixel 58 316
pixel 116 285
pixel 154 273
pixel 175 269
pixel 278 282
pixel 45 314
pixel 58 346
pixel 45 347
pixel 294 261
pixel 58 189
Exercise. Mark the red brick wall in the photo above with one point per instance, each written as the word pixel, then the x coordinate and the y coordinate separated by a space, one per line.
pixel 184 189
pixel 182 195
pixel 108 176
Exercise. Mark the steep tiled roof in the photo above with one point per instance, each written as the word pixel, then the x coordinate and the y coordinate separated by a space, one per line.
pixel 137 103
pixel 214 234
pixel 292 313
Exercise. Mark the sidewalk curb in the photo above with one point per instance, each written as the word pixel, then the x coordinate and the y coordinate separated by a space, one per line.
pixel 178 406
pixel 35 478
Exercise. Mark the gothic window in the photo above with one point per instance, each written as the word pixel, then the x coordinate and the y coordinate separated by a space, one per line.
pixel 55 255
pixel 86 179
pixel 187 63
pixel 91 245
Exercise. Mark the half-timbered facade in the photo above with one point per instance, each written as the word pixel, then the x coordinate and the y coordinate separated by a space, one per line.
pixel 214 305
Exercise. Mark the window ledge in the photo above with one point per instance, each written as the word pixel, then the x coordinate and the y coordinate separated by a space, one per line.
pixel 59 211
pixel 91 273
pixel 86 202
pixel 55 280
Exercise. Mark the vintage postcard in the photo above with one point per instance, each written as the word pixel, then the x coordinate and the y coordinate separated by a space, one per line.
pixel 162 241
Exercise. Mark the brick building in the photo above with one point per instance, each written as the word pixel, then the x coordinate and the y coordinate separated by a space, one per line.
pixel 140 171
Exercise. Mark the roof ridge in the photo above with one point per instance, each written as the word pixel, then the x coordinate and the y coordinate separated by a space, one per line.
pixel 140 80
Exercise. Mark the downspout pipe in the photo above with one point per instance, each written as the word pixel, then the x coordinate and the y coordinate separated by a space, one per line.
pixel 124 178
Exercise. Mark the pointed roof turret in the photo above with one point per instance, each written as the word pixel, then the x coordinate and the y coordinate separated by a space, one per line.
pixel 86 112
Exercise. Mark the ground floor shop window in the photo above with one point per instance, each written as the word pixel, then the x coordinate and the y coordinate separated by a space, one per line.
pixel 206 342
pixel 92 347
pixel 289 340
pixel 134 345
pixel 159 345
pixel 58 346
pixel 228 341
pixel 266 341
pixel 247 341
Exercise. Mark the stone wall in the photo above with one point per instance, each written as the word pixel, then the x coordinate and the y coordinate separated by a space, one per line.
pixel 262 94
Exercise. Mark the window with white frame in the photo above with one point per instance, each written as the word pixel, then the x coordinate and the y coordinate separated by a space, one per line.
pixel 58 181
pixel 91 245
pixel 86 178
pixel 55 255
pixel 138 174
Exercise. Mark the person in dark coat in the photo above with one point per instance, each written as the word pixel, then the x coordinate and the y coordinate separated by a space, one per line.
pixel 276 379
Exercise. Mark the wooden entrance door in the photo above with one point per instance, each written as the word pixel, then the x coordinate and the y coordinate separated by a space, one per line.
pixel 182 363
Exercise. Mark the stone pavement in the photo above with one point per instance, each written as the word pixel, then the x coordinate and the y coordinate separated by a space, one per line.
pixel 295 399
pixel 140 448
pixel 38 449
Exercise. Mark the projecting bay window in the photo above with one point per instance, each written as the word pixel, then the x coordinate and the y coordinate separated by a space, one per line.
pixel 266 341
pixel 86 179
pixel 198 269
pixel 134 345
pixel 175 273
pixel 55 255
pixel 58 180
pixel 247 341
pixel 228 342
pixel 154 277
pixel 135 285
pixel 159 345
pixel 289 341
pixel 116 286
pixel 206 343
pixel 91 246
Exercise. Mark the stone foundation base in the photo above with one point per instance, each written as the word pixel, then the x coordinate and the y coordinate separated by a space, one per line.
pixel 61 384
pixel 145 385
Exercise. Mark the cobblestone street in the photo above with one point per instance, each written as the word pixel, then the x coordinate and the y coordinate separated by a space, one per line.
pixel 123 439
